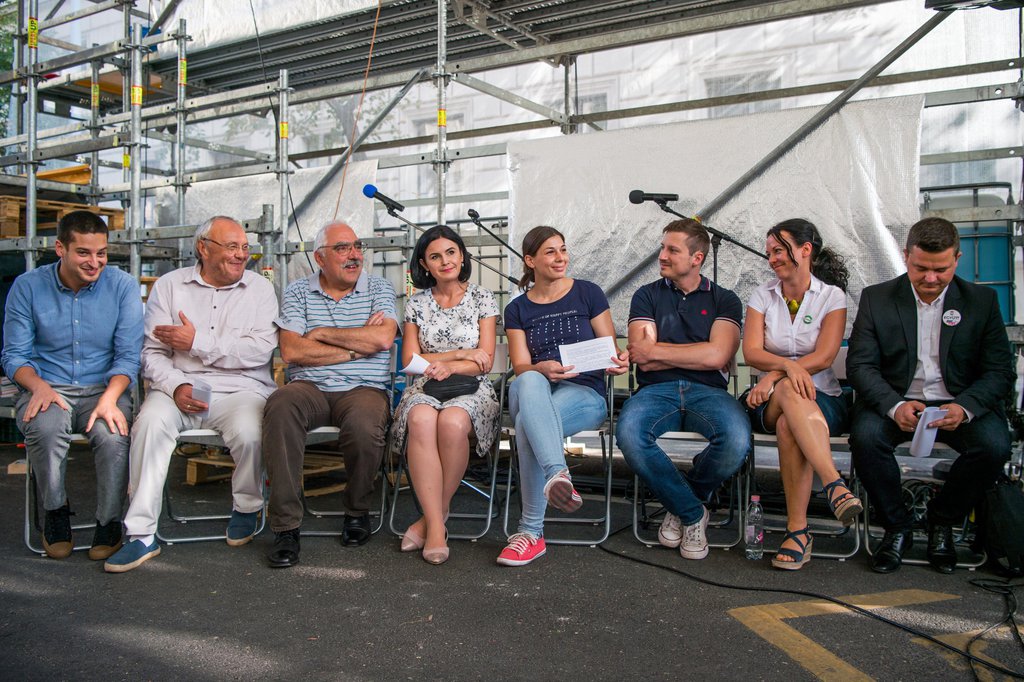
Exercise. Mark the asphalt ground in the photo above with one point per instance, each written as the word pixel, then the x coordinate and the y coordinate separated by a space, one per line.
pixel 206 611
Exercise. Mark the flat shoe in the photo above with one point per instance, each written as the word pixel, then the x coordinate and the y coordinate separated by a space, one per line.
pixel 435 555
pixel 412 541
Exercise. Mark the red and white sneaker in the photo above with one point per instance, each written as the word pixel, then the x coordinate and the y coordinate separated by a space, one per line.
pixel 522 549
pixel 560 493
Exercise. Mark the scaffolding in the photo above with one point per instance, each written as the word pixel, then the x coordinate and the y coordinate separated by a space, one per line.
pixel 319 63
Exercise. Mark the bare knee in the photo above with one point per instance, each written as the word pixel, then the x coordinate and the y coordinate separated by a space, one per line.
pixel 422 419
pixel 783 433
pixel 453 423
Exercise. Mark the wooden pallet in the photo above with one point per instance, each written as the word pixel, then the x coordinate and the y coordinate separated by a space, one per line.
pixel 48 214
pixel 204 468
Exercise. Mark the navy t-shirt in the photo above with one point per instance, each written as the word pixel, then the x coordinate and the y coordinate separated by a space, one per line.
pixel 684 318
pixel 564 321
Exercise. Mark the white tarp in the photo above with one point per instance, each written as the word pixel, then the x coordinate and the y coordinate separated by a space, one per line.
pixel 244 197
pixel 855 177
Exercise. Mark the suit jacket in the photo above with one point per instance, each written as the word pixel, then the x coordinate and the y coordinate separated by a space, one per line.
pixel 974 355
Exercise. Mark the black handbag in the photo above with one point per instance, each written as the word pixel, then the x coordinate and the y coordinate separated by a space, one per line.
pixel 452 387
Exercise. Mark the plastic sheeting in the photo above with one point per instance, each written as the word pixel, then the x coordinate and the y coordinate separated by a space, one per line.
pixel 855 177
pixel 228 21
pixel 244 197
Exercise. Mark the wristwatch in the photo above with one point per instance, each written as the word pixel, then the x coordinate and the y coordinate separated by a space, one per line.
pixel 351 355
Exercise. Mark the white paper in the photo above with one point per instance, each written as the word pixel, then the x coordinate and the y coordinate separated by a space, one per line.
pixel 924 437
pixel 202 391
pixel 587 356
pixel 417 365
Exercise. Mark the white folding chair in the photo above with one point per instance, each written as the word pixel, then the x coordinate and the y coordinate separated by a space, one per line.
pixel 488 493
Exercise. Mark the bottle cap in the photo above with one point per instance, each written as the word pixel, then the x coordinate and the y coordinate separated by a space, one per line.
pixel 755 498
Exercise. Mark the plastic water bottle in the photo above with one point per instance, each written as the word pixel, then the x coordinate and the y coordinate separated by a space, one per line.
pixel 754 535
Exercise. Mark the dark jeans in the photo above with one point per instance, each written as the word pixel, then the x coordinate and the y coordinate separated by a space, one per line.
pixel 362 415
pixel 983 445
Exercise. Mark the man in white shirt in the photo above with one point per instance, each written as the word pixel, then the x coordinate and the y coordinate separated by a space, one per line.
pixel 213 324
pixel 928 338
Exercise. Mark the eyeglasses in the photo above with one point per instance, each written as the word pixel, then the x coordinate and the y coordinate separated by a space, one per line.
pixel 230 248
pixel 343 248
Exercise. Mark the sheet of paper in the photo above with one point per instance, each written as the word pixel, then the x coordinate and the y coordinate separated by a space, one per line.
pixel 924 437
pixel 417 365
pixel 202 391
pixel 586 356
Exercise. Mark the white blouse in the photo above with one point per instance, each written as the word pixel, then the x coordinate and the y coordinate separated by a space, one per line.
pixel 797 336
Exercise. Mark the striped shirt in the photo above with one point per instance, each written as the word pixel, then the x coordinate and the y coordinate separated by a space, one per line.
pixel 307 307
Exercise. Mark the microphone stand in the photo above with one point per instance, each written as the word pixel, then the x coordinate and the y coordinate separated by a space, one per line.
pixel 475 217
pixel 393 212
pixel 716 238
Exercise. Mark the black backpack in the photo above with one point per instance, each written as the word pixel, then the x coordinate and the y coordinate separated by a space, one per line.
pixel 1001 527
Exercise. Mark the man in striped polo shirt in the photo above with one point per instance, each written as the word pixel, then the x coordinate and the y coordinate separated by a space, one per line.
pixel 336 328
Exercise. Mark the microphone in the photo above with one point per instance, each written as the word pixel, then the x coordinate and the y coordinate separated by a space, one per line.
pixel 371 192
pixel 638 196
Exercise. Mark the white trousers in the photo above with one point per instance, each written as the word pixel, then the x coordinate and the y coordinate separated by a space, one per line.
pixel 236 416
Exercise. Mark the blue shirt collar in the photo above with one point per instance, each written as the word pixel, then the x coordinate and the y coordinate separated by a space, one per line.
pixel 61 286
pixel 705 285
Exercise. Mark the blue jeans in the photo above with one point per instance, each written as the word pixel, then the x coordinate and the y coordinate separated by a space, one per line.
pixel 544 413
pixel 683 406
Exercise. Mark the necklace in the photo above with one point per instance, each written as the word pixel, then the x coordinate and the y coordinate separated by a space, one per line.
pixel 793 305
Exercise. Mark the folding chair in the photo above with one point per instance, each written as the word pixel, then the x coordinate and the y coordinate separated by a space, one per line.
pixel 737 489
pixel 211 438
pixel 825 528
pixel 381 510
pixel 947 454
pixel 498 377
pixel 606 434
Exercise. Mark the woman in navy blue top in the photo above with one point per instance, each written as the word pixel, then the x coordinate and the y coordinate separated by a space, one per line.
pixel 547 400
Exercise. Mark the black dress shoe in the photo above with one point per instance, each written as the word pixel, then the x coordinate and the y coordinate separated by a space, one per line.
pixel 356 531
pixel 889 556
pixel 286 549
pixel 941 550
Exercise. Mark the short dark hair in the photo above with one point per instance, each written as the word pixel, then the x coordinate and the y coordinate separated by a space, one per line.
pixel 421 278
pixel 532 241
pixel 697 238
pixel 933 235
pixel 82 222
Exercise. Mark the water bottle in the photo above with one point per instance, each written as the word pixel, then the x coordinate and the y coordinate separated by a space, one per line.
pixel 754 535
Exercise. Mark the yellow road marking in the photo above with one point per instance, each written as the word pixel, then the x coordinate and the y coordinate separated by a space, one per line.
pixel 959 640
pixel 767 621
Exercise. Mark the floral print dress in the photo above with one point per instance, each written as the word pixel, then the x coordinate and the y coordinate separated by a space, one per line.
pixel 442 330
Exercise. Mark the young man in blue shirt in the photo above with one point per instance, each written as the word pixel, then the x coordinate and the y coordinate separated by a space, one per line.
pixel 684 331
pixel 72 339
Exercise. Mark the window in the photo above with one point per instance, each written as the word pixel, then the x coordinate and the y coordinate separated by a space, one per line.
pixel 738 84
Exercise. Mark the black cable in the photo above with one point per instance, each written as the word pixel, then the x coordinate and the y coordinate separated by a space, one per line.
pixel 1006 589
pixel 814 595
pixel 277 127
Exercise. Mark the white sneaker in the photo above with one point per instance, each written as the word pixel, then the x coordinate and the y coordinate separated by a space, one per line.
pixel 671 532
pixel 695 540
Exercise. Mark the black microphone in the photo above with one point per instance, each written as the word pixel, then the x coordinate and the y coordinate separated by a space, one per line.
pixel 638 196
pixel 474 215
pixel 371 192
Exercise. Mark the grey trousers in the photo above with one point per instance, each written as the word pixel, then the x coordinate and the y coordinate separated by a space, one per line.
pixel 48 436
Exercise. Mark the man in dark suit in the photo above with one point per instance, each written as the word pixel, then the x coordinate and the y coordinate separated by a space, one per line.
pixel 928 338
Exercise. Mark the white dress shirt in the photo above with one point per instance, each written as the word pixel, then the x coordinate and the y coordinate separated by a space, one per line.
pixel 235 333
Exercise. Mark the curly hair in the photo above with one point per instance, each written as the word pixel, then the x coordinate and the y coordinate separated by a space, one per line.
pixel 826 264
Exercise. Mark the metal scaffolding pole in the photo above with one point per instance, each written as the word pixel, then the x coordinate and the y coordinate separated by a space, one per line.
pixel 278 250
pixel 441 160
pixel 786 145
pixel 31 116
pixel 94 129
pixel 135 222
pixel 181 39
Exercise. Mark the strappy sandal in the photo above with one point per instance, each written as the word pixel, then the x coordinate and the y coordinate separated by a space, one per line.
pixel 799 556
pixel 844 505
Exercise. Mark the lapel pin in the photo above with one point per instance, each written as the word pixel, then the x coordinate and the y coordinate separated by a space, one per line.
pixel 807 319
pixel 951 318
